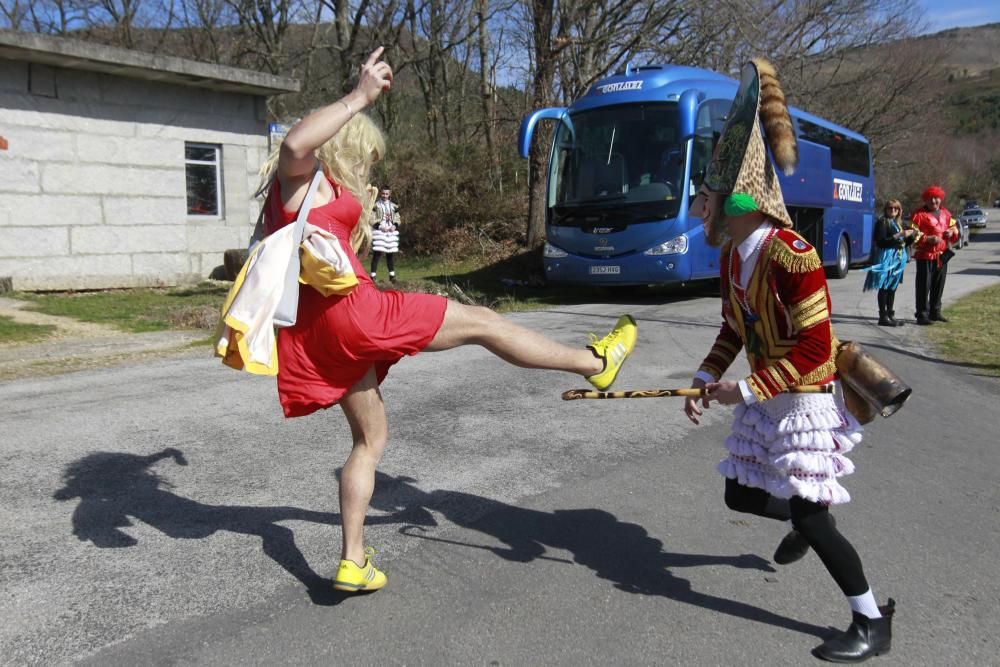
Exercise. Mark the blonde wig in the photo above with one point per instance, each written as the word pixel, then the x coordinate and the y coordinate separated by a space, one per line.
pixel 347 158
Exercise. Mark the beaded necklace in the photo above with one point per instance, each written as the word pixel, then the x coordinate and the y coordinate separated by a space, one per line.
pixel 750 318
pixel 740 292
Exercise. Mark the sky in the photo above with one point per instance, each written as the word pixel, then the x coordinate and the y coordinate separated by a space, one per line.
pixel 941 15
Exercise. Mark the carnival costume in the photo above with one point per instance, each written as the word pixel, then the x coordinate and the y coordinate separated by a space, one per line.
pixel 338 338
pixel 932 258
pixel 887 272
pixel 385 236
pixel 786 451
pixel 786 444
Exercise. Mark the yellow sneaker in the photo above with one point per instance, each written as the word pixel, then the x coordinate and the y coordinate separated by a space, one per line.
pixel 350 577
pixel 614 350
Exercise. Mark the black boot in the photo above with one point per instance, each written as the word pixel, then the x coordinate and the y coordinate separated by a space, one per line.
pixel 923 320
pixel 866 637
pixel 793 547
pixel 885 321
pixel 938 317
pixel 892 318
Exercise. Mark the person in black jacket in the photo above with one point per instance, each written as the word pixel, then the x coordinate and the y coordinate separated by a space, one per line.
pixel 891 240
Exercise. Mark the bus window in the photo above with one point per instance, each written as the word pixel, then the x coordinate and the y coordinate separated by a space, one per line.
pixel 710 122
pixel 628 157
pixel 846 154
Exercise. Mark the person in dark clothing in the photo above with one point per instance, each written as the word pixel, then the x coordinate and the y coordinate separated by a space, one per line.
pixel 891 239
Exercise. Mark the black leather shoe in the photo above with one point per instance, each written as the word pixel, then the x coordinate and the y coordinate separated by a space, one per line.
pixel 793 547
pixel 892 318
pixel 923 321
pixel 865 638
pixel 884 321
pixel 938 317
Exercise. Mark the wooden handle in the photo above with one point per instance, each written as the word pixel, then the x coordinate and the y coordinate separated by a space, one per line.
pixel 575 394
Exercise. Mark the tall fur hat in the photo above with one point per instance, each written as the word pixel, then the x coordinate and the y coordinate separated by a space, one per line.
pixel 741 165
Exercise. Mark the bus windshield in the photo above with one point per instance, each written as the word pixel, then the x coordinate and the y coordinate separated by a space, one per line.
pixel 627 161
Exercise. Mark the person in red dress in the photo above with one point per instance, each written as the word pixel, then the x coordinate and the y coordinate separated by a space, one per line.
pixel 341 347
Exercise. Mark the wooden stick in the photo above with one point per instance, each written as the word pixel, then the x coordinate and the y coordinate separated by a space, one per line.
pixel 574 394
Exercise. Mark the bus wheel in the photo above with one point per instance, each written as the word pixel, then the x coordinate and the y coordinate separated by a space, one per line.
pixel 843 265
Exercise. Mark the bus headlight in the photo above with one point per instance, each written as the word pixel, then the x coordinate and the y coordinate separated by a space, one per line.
pixel 552 251
pixel 675 246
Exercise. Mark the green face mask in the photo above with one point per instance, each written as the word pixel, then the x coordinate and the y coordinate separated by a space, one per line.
pixel 738 204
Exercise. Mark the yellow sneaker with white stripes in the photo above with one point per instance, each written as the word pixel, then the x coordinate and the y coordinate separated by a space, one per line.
pixel 351 577
pixel 614 350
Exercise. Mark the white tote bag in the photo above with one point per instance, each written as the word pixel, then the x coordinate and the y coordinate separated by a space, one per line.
pixel 288 306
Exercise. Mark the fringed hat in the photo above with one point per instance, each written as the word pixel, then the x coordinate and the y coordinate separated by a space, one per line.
pixel 740 168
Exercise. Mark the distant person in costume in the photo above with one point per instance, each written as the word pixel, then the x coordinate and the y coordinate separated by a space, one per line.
pixel 385 233
pixel 892 240
pixel 342 346
pixel 937 230
pixel 786 451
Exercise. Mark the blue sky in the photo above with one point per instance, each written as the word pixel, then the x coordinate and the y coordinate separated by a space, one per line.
pixel 941 15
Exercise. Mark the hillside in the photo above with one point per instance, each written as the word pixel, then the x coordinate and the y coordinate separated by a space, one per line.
pixel 966 52
pixel 970 75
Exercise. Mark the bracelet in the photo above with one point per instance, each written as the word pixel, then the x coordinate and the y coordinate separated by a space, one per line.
pixel 348 107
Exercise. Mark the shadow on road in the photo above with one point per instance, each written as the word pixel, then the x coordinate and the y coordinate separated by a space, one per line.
pixel 114 488
pixel 623 553
pixel 935 360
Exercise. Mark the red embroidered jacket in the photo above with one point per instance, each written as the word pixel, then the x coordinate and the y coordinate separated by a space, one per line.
pixel 792 341
pixel 929 225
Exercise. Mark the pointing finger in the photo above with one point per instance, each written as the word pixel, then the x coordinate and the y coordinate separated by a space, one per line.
pixel 373 58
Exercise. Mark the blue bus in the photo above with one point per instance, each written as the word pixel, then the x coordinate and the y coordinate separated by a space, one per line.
pixel 629 155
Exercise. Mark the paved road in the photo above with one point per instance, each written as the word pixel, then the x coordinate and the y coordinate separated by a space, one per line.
pixel 166 514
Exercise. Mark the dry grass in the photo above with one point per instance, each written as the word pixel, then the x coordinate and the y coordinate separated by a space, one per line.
pixel 970 335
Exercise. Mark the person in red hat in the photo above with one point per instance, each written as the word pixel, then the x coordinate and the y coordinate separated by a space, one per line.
pixel 936 231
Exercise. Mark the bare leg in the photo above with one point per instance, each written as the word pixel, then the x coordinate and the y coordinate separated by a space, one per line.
pixel 475 325
pixel 365 412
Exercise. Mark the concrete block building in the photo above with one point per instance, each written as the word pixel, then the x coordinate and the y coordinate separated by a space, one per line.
pixel 123 169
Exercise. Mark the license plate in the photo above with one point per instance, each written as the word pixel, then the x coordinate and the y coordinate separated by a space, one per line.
pixel 605 269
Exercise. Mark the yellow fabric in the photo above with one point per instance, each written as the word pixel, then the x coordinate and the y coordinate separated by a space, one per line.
pixel 245 337
pixel 325 266
pixel 792 260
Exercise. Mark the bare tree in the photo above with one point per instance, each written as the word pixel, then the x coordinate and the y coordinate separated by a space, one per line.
pixel 572 45
pixel 15 14
pixel 202 24
pixel 438 32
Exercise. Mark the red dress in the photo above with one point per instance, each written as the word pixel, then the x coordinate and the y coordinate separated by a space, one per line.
pixel 336 339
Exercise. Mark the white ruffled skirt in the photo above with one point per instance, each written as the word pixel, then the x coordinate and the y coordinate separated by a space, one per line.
pixel 793 445
pixel 383 241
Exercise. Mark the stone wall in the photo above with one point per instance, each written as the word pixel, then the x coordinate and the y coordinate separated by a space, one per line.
pixel 92 183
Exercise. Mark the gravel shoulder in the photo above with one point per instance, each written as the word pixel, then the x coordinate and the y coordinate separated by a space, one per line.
pixel 79 345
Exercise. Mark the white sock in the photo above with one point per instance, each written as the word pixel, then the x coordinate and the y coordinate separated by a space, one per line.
pixel 865 604
pixel 373 276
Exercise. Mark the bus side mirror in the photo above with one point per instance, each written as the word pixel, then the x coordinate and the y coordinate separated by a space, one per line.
pixel 687 109
pixel 528 126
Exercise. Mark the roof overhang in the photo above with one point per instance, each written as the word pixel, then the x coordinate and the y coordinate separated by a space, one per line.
pixel 87 56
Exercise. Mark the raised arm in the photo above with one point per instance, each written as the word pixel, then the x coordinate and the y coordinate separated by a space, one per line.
pixel 296 161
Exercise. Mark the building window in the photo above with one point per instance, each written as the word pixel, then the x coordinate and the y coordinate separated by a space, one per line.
pixel 202 168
